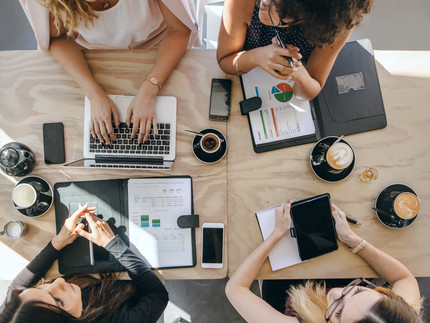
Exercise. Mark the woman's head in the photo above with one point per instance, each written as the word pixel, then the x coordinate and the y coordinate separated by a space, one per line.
pixel 322 20
pixel 359 305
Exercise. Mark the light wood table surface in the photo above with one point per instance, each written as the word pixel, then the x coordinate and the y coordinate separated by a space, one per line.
pixel 35 89
pixel 400 153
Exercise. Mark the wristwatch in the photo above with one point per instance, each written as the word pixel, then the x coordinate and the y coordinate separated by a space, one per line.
pixel 154 80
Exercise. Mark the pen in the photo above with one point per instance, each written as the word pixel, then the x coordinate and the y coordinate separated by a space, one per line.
pixel 281 43
pixel 352 220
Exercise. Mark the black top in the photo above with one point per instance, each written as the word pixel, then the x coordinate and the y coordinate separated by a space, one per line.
pixel 149 301
pixel 260 35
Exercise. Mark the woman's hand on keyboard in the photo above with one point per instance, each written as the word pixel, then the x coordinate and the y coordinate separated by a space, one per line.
pixel 102 111
pixel 142 112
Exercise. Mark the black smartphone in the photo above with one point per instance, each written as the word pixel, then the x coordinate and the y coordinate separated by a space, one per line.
pixel 314 226
pixel 53 143
pixel 219 108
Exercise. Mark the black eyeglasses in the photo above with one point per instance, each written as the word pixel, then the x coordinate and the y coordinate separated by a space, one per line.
pixel 278 37
pixel 333 306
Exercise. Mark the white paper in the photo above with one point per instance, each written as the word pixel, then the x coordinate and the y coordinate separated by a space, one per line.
pixel 154 205
pixel 282 115
pixel 286 251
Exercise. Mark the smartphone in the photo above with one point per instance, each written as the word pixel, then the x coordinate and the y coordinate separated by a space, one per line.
pixel 314 226
pixel 212 245
pixel 219 108
pixel 53 143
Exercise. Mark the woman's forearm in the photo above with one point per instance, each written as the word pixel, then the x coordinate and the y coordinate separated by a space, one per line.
pixel 70 57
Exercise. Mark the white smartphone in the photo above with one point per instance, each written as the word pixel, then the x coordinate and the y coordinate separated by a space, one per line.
pixel 212 245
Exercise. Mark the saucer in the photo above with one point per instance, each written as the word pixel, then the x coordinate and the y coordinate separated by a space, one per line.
pixel 45 195
pixel 384 202
pixel 321 171
pixel 206 157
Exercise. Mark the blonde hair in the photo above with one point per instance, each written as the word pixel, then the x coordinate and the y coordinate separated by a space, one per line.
pixel 309 302
pixel 69 13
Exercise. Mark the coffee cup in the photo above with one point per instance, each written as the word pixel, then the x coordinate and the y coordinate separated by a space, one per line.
pixel 210 143
pixel 339 156
pixel 14 229
pixel 406 205
pixel 25 195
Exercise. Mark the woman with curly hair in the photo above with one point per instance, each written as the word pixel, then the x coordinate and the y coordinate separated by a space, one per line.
pixel 82 297
pixel 74 25
pixel 313 31
pixel 313 303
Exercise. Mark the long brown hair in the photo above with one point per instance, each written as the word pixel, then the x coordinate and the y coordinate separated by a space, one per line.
pixel 105 294
pixel 309 302
pixel 69 13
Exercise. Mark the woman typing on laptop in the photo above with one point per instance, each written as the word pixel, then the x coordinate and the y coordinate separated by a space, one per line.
pixel 115 24
pixel 312 302
pixel 82 297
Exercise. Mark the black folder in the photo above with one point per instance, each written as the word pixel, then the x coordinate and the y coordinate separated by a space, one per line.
pixel 350 101
pixel 111 198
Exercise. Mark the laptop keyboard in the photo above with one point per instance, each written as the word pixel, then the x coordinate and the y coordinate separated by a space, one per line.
pixel 159 145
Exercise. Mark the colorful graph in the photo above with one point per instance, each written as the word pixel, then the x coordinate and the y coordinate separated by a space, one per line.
pixel 156 223
pixel 144 221
pixel 282 92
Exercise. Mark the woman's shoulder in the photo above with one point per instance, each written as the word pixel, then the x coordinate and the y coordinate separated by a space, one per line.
pixel 240 10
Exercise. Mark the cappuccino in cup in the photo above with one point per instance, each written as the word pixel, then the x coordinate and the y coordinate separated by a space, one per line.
pixel 339 156
pixel 210 143
pixel 24 196
pixel 406 205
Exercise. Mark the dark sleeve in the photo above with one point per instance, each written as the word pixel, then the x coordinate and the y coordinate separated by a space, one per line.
pixel 151 298
pixel 36 269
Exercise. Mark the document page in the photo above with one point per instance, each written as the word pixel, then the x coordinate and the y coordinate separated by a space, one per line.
pixel 286 252
pixel 154 205
pixel 282 115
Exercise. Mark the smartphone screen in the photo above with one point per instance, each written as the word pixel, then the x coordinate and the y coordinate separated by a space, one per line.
pixel 53 143
pixel 314 226
pixel 212 245
pixel 220 99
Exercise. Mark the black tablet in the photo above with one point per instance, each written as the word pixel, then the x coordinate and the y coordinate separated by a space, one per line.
pixel 314 226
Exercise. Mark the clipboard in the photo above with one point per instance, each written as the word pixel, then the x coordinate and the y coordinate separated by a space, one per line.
pixel 115 201
pixel 350 102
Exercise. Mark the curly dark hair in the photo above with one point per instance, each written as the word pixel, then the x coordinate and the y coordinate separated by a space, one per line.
pixel 323 20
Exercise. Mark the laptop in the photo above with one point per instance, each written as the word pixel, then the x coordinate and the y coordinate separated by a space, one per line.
pixel 156 153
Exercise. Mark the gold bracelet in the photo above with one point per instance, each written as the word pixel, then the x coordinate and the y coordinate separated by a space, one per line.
pixel 239 72
pixel 154 80
pixel 360 246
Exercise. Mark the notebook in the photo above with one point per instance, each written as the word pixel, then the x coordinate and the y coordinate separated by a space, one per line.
pixel 157 152
pixel 144 212
pixel 350 102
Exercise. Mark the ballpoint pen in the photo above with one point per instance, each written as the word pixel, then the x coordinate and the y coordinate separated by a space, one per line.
pixel 353 221
pixel 281 43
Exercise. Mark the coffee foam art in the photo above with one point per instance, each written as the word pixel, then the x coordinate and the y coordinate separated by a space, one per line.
pixel 406 205
pixel 339 155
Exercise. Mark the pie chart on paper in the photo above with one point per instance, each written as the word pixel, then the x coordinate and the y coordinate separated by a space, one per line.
pixel 282 92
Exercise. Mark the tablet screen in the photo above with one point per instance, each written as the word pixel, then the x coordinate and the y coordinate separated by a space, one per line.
pixel 314 226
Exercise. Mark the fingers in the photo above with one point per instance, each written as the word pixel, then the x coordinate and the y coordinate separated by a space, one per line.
pixel 97 132
pixel 78 212
pixel 104 134
pixel 93 133
pixel 82 233
pixel 110 132
pixel 115 118
pixel 128 117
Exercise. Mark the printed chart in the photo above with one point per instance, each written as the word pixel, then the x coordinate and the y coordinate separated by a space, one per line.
pixel 282 92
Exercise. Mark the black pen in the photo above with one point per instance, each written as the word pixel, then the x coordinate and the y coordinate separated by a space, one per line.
pixel 281 43
pixel 352 220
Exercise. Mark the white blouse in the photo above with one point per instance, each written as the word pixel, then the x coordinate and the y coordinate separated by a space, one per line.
pixel 127 24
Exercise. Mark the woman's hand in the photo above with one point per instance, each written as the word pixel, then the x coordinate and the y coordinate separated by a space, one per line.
pixel 344 231
pixel 142 109
pixel 67 233
pixel 271 58
pixel 100 232
pixel 282 219
pixel 102 111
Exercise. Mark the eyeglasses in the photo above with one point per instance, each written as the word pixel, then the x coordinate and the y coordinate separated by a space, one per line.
pixel 333 306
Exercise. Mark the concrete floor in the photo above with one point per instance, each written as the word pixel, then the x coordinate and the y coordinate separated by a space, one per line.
pixel 393 24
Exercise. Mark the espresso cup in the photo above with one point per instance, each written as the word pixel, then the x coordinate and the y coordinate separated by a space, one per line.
pixel 406 205
pixel 14 229
pixel 25 195
pixel 339 157
pixel 210 143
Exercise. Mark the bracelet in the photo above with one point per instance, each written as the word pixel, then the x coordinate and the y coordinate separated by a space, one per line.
pixel 239 72
pixel 359 246
pixel 154 81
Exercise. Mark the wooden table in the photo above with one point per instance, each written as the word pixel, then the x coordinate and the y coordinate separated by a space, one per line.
pixel 35 89
pixel 400 152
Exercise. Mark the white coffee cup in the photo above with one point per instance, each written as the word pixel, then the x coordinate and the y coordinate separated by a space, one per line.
pixel 24 196
pixel 210 143
pixel 14 229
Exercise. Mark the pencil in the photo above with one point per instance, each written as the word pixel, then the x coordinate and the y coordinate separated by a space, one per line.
pixel 352 220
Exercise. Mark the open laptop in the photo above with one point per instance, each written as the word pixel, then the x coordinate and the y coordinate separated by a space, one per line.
pixel 156 153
